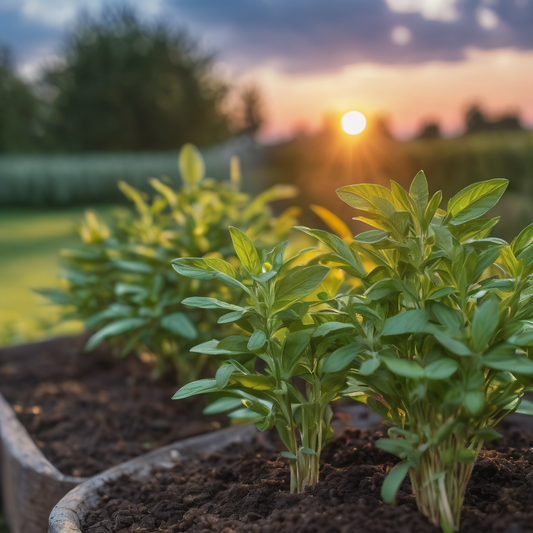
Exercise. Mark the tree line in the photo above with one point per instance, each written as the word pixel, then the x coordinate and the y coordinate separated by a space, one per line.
pixel 122 84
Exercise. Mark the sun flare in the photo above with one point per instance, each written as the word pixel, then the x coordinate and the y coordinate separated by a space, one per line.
pixel 353 122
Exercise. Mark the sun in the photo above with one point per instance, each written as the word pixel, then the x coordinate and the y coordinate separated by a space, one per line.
pixel 353 122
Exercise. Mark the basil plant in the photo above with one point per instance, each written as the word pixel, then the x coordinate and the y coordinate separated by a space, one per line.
pixel 121 284
pixel 442 331
pixel 287 324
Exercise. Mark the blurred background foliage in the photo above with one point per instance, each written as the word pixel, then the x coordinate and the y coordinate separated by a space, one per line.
pixel 122 97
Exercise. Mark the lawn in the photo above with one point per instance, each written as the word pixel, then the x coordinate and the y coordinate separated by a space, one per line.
pixel 30 241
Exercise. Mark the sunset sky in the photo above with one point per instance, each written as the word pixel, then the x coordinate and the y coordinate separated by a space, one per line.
pixel 409 60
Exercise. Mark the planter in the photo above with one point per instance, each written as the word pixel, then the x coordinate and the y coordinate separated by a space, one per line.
pixel 244 489
pixel 65 515
pixel 31 484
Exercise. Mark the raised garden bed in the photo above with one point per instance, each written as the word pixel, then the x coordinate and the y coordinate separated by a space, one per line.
pixel 66 415
pixel 244 488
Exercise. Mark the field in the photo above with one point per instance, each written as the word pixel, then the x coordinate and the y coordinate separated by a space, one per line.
pixel 30 240
pixel 31 236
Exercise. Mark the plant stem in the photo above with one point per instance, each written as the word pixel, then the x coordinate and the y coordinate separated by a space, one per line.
pixel 440 488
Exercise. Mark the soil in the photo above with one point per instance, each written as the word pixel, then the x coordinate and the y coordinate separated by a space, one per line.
pixel 88 412
pixel 244 489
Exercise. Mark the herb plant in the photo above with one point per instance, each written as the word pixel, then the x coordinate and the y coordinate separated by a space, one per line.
pixel 444 329
pixel 121 284
pixel 285 322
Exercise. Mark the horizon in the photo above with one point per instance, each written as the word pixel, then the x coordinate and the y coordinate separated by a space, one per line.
pixel 410 61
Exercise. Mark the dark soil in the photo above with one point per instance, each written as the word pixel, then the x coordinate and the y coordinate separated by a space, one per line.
pixel 244 489
pixel 88 412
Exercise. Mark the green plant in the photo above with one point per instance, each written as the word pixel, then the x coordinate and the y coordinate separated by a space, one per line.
pixel 120 282
pixel 444 328
pixel 286 321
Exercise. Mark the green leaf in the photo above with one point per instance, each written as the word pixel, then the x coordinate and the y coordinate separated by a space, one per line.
pixel 523 241
pixel 441 292
pixel 473 229
pixel 441 369
pixel 341 357
pixel 369 366
pixel 114 328
pixel 393 481
pixel 514 363
pixel 525 407
pixel 223 374
pixel 246 251
pixel 484 324
pixel 488 434
pixel 257 340
pixel 453 345
pixel 191 165
pixel 432 207
pixel 210 303
pixel 384 289
pixel 403 367
pixel 371 237
pixel 56 296
pixel 475 200
pixel 331 327
pixel 247 414
pixel 201 386
pixel 180 324
pixel 133 266
pixel 419 190
pixel 289 455
pixel 466 456
pixel 367 197
pixel 222 405
pixel 293 347
pixel 409 322
pixel 346 254
pixel 196 268
pixel 235 343
pixel 230 317
pixel 211 348
pixel 254 381
pixel 300 282
pixel 307 451
pixel 451 319
pixel 398 447
pixel 475 402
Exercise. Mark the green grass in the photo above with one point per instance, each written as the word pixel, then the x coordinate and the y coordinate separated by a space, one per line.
pixel 30 241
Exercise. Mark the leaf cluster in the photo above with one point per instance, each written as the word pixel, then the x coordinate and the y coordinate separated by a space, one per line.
pixel 121 284
pixel 443 322
pixel 287 364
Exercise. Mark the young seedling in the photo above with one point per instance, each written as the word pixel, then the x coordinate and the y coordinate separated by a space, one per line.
pixel 304 349
pixel 444 325
pixel 121 283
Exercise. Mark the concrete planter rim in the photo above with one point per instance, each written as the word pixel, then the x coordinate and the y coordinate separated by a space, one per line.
pixel 65 516
pixel 31 484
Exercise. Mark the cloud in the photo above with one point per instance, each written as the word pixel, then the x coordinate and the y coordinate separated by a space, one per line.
pixel 299 35
pixel 302 35
pixel 56 13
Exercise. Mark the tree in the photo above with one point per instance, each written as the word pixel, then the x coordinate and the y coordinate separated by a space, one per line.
pixel 476 121
pixel 124 84
pixel 429 130
pixel 18 109
pixel 252 114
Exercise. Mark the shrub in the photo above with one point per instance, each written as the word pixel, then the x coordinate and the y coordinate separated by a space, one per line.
pixel 120 282
pixel 286 321
pixel 443 327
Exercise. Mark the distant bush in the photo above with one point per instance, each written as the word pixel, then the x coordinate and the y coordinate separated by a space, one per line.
pixel 39 180
pixel 120 283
